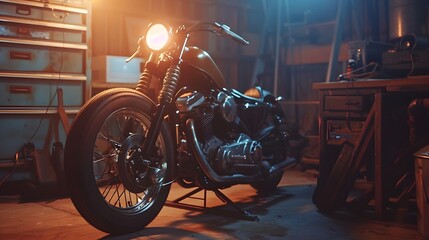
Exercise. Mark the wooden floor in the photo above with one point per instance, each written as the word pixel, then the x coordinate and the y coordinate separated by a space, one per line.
pixel 287 214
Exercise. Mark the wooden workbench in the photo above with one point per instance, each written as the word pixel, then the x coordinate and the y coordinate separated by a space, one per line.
pixel 364 135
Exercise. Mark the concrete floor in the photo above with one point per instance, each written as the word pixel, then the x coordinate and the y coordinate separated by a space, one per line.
pixel 287 214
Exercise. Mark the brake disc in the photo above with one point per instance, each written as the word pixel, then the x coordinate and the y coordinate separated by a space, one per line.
pixel 136 173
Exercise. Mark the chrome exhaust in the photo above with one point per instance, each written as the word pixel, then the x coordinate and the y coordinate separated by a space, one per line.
pixel 230 179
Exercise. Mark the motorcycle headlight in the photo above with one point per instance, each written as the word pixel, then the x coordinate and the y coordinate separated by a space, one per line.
pixel 157 37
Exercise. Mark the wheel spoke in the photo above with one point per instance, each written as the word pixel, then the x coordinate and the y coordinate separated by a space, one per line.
pixel 118 197
pixel 109 143
pixel 116 144
pixel 104 135
pixel 108 188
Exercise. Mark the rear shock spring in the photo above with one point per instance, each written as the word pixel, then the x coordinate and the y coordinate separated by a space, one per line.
pixel 170 84
pixel 144 81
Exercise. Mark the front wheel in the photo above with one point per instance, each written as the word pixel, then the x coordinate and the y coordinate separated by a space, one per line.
pixel 100 169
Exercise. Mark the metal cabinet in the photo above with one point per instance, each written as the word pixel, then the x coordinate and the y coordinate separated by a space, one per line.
pixel 44 71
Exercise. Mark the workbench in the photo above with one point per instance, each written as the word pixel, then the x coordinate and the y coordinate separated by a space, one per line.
pixel 364 139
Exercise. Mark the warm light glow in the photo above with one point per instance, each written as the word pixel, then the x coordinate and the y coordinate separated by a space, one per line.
pixel 157 37
pixel 400 31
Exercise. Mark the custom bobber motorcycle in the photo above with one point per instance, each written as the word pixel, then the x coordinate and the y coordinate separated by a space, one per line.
pixel 124 150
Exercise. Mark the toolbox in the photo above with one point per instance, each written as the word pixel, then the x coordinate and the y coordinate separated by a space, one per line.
pixel 44 69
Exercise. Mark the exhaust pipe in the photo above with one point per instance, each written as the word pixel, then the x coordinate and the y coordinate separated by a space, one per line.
pixel 208 170
pixel 282 165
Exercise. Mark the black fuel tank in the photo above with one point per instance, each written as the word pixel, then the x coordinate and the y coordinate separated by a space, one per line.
pixel 198 68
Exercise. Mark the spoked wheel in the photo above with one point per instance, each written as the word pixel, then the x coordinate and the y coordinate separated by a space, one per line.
pixel 121 135
pixel 115 189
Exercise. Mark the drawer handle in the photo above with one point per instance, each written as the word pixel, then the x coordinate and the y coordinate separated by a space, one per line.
pixel 23 30
pixel 20 89
pixel 20 55
pixel 352 103
pixel 23 10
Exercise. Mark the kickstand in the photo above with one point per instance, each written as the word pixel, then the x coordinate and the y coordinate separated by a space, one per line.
pixel 238 213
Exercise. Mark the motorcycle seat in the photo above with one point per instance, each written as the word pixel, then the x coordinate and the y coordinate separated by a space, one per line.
pixel 253 94
pixel 237 94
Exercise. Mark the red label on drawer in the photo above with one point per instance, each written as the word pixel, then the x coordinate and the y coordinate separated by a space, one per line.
pixel 20 55
pixel 21 89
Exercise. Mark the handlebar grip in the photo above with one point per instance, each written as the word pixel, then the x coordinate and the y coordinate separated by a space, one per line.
pixel 238 38
pixel 232 34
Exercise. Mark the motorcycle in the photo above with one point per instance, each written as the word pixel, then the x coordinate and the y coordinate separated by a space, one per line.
pixel 124 150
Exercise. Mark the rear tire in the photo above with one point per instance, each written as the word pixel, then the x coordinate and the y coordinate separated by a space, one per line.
pixel 274 147
pixel 91 162
pixel 269 184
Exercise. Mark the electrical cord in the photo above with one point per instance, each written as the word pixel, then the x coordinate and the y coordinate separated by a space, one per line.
pixel 349 127
pixel 351 75
pixel 354 74
pixel 412 64
pixel 59 73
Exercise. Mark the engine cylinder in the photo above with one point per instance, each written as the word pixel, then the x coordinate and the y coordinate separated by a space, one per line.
pixel 227 107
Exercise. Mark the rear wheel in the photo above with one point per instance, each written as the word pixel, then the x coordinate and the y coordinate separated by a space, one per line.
pixel 113 190
pixel 269 183
pixel 275 149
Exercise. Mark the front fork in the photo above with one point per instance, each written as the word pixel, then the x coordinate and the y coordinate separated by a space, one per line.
pixel 165 98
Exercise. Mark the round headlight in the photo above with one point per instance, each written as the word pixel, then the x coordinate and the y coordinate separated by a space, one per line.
pixel 157 37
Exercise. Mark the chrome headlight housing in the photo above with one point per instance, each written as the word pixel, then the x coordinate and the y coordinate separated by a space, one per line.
pixel 157 36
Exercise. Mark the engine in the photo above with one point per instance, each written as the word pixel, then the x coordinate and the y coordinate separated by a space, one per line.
pixel 242 155
pixel 227 150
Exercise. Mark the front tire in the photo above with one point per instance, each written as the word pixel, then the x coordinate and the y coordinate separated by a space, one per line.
pixel 93 156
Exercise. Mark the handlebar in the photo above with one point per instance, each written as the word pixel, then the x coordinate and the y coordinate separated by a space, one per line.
pixel 214 27
pixel 217 28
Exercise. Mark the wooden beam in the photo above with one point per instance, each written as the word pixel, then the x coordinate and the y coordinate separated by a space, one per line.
pixel 313 54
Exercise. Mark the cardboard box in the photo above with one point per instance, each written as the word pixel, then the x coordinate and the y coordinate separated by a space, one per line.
pixel 114 69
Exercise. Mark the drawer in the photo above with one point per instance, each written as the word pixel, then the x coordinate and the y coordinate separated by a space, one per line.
pixel 41 59
pixel 40 33
pixel 45 14
pixel 73 3
pixel 339 131
pixel 344 103
pixel 39 93
pixel 16 130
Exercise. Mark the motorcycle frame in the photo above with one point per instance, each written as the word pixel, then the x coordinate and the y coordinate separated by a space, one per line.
pixel 165 109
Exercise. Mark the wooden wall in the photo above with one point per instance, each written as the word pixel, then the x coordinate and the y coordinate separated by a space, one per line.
pixel 117 25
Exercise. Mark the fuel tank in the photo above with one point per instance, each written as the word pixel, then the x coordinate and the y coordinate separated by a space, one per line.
pixel 199 69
